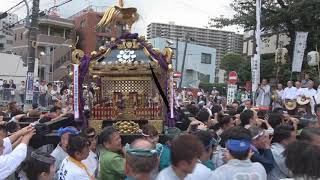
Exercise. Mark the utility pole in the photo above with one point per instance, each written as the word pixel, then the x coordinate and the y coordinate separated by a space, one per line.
pixel 184 57
pixel 32 38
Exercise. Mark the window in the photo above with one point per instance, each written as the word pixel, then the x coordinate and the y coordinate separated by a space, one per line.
pixel 57 32
pixel 205 58
pixel 15 37
pixel 9 42
pixel 21 36
pixel 82 23
pixel 205 78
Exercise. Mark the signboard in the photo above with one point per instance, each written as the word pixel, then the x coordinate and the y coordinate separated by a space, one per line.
pixel 177 74
pixel 76 91
pixel 232 89
pixel 298 54
pixel 29 88
pixel 233 77
pixel 255 72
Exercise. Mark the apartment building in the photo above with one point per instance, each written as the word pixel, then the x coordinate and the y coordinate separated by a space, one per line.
pixel 90 37
pixel 222 41
pixel 55 34
pixel 199 64
pixel 6 33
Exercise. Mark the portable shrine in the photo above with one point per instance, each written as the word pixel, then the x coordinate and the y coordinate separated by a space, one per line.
pixel 132 80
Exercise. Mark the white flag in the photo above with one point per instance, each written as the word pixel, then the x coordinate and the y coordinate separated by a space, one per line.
pixel 299 47
pixel 76 91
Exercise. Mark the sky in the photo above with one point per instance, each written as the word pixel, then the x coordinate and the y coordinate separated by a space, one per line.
pixel 194 13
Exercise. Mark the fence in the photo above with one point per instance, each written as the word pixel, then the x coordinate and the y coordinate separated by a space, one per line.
pixel 10 94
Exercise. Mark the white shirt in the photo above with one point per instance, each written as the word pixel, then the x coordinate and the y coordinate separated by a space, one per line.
pixel 59 154
pixel 43 89
pixel 91 162
pixel 280 169
pixel 167 174
pixel 10 161
pixel 309 92
pixel 71 171
pixel 54 94
pixel 7 146
pixel 280 93
pixel 299 92
pixel 200 172
pixel 289 93
pixel 237 169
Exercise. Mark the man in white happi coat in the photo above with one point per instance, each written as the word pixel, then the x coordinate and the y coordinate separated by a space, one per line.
pixel 289 92
pixel 264 97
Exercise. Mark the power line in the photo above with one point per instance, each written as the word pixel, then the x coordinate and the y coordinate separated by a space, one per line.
pixel 17 9
pixel 12 7
pixel 12 25
pixel 18 22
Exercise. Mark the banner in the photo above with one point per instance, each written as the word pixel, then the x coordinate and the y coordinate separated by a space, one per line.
pixel 298 54
pixel 232 89
pixel 255 72
pixel 29 88
pixel 171 97
pixel 76 91
pixel 255 60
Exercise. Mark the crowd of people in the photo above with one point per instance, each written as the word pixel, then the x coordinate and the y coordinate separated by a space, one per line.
pixel 218 146
pixel 221 142
pixel 246 148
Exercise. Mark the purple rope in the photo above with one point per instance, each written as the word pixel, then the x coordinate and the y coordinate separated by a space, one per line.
pixel 83 70
pixel 84 66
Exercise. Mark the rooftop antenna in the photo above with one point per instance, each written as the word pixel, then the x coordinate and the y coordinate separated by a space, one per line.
pixel 54 10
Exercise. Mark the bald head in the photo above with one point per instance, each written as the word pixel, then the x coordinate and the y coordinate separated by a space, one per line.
pixel 142 144
pixel 139 164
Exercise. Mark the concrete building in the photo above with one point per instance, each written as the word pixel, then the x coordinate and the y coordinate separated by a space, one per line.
pixel 6 33
pixel 52 46
pixel 222 41
pixel 12 68
pixel 270 42
pixel 200 63
pixel 85 22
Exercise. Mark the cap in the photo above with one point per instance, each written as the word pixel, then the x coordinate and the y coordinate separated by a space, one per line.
pixel 238 145
pixel 70 130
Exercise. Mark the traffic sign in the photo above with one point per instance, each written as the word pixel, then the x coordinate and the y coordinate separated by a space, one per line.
pixel 177 74
pixel 233 77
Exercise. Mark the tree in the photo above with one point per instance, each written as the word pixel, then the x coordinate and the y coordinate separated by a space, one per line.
pixel 231 61
pixel 277 16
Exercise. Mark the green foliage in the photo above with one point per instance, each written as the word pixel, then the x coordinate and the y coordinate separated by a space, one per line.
pixel 231 62
pixel 277 16
pixel 244 71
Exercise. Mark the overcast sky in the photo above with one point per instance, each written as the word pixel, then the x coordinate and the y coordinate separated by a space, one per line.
pixel 183 12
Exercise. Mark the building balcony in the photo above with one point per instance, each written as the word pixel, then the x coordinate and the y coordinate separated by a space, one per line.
pixel 56 21
pixel 44 39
